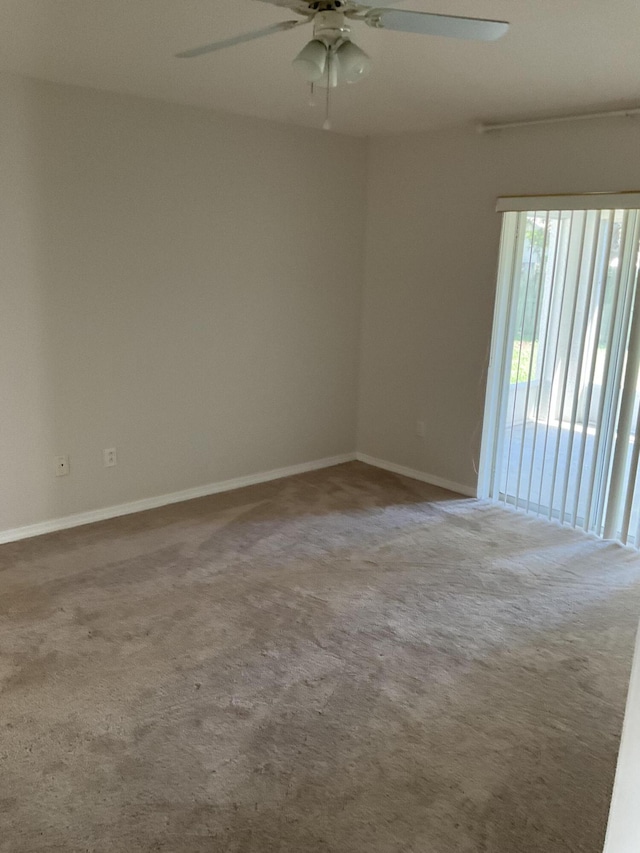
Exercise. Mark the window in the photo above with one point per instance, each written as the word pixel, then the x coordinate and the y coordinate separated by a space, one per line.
pixel 562 404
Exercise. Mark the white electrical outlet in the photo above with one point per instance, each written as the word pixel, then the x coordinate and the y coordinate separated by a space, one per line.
pixel 62 466
pixel 109 457
pixel 421 429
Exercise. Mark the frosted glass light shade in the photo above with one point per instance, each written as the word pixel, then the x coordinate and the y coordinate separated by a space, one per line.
pixel 331 75
pixel 353 62
pixel 311 61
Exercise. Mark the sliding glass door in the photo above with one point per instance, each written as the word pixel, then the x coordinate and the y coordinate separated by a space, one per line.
pixel 562 405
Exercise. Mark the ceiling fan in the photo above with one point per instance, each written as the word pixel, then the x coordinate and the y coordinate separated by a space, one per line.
pixel 331 58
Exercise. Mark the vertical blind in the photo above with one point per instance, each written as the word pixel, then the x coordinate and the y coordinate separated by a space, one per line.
pixel 562 409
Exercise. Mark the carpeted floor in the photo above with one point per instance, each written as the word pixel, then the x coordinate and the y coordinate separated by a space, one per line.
pixel 341 662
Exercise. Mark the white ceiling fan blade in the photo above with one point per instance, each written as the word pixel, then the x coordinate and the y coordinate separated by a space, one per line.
pixel 300 6
pixel 429 24
pixel 256 34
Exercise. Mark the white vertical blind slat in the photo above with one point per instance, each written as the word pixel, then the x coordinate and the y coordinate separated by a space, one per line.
pixel 554 344
pixel 572 278
pixel 631 484
pixel 543 360
pixel 528 388
pixel 544 500
pixel 624 377
pixel 631 481
pixel 513 234
pixel 592 241
pixel 632 400
pixel 598 307
pixel 535 336
pixel 608 400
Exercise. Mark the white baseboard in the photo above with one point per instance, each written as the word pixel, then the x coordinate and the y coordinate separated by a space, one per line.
pixel 90 517
pixel 54 524
pixel 468 491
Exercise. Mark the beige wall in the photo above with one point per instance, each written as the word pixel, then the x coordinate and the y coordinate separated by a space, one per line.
pixel 181 285
pixel 185 286
pixel 432 248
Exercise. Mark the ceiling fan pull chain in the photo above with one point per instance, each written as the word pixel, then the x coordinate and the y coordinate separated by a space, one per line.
pixel 312 94
pixel 327 119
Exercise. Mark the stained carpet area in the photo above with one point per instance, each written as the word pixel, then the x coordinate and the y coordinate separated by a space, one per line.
pixel 341 662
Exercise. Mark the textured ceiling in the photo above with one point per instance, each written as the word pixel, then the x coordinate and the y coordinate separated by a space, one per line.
pixel 572 55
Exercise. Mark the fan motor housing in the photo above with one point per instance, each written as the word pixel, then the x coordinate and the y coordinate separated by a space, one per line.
pixel 330 26
pixel 327 5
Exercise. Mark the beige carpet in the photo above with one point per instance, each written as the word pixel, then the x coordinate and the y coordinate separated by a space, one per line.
pixel 342 662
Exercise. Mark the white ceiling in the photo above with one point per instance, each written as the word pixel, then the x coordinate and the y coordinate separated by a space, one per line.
pixel 560 55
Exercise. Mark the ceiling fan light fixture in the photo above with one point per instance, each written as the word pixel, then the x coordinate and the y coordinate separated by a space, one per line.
pixel 311 62
pixel 354 64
